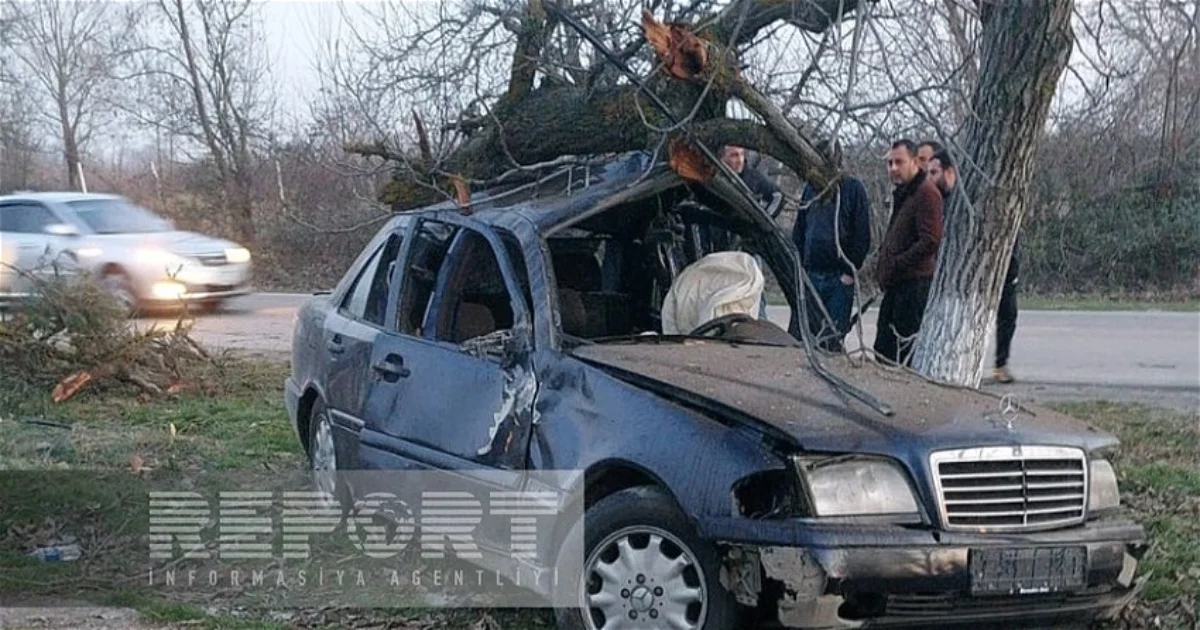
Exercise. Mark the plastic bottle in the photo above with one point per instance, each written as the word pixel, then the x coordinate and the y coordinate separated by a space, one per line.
pixel 57 553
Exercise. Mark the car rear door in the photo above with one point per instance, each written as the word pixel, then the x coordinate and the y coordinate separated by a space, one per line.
pixel 350 331
pixel 25 246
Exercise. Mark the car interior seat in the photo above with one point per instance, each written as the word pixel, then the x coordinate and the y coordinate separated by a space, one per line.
pixel 587 310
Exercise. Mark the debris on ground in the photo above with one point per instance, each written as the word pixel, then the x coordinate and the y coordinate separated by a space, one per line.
pixel 71 336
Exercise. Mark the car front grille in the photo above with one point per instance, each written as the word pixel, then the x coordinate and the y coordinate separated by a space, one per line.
pixel 1010 488
pixel 215 259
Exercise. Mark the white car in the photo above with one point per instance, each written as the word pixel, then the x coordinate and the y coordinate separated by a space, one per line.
pixel 138 256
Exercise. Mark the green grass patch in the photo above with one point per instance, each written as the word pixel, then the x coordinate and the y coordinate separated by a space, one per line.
pixel 1103 303
pixel 240 423
pixel 1158 465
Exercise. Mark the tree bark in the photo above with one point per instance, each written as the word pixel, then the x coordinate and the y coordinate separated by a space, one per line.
pixel 1024 50
pixel 69 139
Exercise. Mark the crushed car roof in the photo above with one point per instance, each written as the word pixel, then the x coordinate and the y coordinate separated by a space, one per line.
pixel 567 192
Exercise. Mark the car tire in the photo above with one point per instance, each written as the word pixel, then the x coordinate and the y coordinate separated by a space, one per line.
pixel 645 523
pixel 322 456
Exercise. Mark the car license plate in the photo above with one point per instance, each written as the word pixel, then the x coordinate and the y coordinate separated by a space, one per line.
pixel 1026 571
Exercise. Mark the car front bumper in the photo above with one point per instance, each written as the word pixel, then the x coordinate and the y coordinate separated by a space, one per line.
pixel 196 283
pixel 842 576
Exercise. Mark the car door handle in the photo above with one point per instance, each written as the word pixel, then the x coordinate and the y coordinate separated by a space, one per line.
pixel 392 368
pixel 334 346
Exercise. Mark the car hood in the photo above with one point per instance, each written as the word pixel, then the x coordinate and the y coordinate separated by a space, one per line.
pixel 175 241
pixel 775 389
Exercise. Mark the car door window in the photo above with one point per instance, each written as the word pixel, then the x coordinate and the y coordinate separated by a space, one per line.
pixel 431 241
pixel 25 218
pixel 367 298
pixel 473 299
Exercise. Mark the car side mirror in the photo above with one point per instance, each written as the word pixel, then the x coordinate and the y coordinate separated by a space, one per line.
pixel 61 229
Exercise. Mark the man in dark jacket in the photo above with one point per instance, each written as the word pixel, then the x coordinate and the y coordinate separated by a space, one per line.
pixel 945 175
pixel 833 234
pixel 908 255
pixel 766 192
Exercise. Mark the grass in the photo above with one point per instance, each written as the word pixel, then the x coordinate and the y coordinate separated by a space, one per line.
pixel 1103 303
pixel 1158 466
pixel 245 425
pixel 1069 303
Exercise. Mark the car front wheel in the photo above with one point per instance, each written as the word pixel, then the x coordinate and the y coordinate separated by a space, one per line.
pixel 644 566
pixel 119 285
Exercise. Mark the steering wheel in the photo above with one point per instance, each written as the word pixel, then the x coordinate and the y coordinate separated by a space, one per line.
pixel 720 326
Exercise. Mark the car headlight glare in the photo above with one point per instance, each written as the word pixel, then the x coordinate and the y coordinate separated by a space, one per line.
pixel 1103 494
pixel 860 487
pixel 237 255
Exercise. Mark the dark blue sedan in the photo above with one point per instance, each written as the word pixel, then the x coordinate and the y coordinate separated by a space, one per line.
pixel 731 475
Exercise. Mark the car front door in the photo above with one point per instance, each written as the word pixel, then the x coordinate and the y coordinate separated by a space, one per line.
pixel 454 386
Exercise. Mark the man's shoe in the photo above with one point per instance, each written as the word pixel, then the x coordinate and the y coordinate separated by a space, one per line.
pixel 1002 375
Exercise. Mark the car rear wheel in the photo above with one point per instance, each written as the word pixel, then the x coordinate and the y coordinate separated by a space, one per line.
pixel 322 456
pixel 645 567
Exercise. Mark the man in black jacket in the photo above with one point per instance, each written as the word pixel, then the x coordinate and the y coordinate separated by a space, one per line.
pixel 943 173
pixel 833 234
pixel 766 192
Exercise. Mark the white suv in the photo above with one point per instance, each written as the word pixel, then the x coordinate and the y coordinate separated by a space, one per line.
pixel 137 255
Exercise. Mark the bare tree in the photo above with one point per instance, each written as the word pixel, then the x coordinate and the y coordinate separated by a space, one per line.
pixel 70 51
pixel 1025 48
pixel 558 101
pixel 211 85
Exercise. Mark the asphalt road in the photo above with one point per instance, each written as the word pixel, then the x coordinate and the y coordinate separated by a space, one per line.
pixel 1159 350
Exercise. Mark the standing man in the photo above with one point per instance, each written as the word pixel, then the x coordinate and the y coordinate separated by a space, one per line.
pixel 907 257
pixel 833 233
pixel 945 175
pixel 925 152
pixel 768 194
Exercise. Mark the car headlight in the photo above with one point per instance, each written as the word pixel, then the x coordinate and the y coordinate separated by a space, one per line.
pixel 859 487
pixel 1103 494
pixel 237 255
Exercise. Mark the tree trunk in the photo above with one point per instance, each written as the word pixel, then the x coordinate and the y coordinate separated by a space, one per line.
pixel 70 144
pixel 1024 50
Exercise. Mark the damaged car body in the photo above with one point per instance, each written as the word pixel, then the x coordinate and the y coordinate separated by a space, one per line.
pixel 730 477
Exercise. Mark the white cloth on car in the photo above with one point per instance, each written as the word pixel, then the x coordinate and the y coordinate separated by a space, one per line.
pixel 721 283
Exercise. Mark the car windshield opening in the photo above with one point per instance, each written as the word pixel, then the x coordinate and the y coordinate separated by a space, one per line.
pixel 115 216
pixel 654 267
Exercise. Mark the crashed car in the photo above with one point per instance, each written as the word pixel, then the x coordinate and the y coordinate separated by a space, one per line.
pixel 732 475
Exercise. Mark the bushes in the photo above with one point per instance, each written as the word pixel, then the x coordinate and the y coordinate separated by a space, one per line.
pixel 1133 242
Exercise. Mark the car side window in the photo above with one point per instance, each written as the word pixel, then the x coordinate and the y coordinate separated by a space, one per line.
pixel 367 298
pixel 25 218
pixel 474 300
pixel 431 240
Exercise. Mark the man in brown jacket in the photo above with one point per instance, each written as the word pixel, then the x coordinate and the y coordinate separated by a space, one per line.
pixel 908 255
